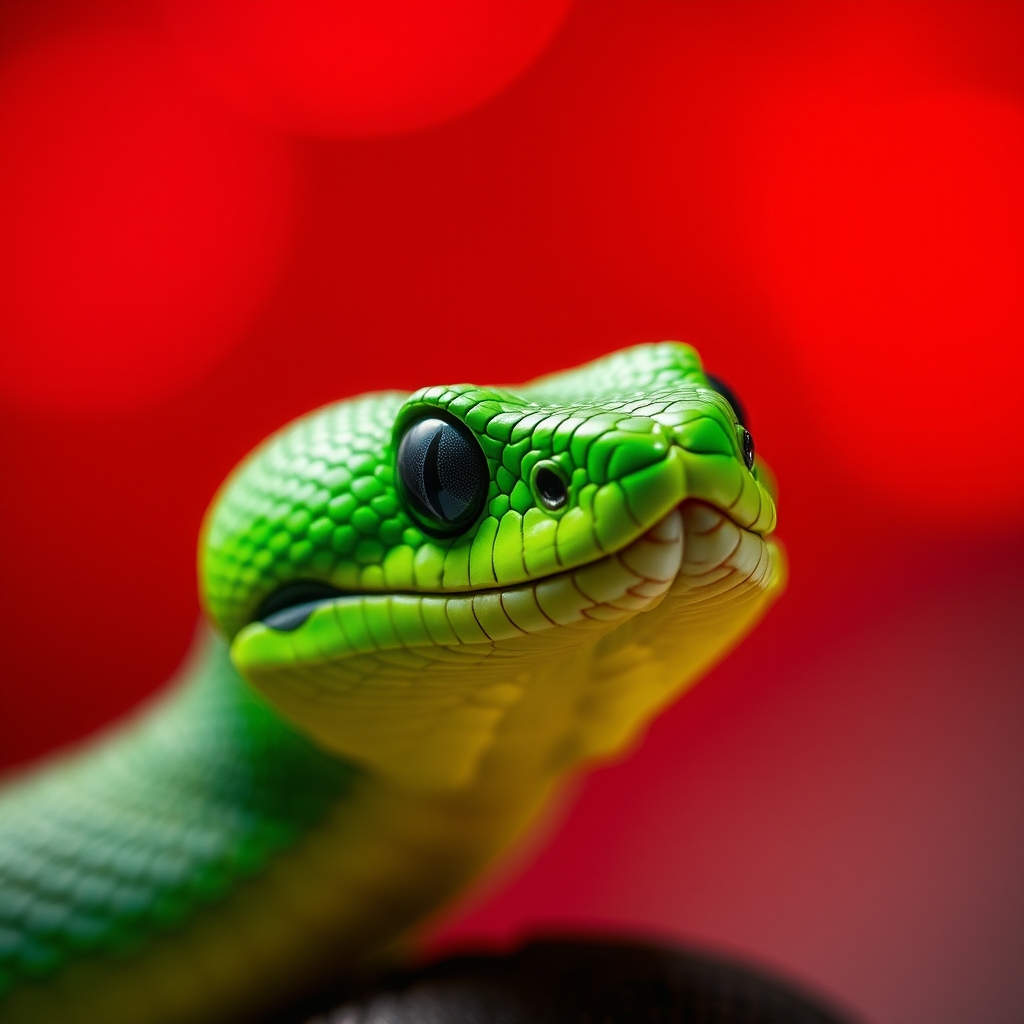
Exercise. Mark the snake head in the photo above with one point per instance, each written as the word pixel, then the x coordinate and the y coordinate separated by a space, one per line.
pixel 396 571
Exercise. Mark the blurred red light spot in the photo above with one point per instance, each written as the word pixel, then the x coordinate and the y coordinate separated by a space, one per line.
pixel 361 67
pixel 140 230
pixel 892 235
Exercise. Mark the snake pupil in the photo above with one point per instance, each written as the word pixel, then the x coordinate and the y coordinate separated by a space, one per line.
pixel 443 473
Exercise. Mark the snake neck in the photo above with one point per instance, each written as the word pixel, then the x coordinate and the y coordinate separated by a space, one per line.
pixel 160 817
pixel 206 858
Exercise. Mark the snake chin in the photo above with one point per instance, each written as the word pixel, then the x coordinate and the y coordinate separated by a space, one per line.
pixel 713 542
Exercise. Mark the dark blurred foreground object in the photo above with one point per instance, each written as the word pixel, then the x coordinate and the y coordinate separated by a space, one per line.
pixel 575 982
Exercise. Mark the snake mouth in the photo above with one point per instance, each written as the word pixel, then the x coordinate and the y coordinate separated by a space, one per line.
pixel 640 570
pixel 290 606
pixel 333 628
pixel 318 635
pixel 307 623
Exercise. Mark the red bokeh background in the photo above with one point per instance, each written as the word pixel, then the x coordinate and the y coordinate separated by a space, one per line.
pixel 209 227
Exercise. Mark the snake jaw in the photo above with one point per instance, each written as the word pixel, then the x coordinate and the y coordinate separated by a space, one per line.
pixel 419 688
pixel 338 628
pixel 415 687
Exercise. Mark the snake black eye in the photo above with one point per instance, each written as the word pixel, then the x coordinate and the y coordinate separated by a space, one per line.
pixel 729 395
pixel 748 448
pixel 443 473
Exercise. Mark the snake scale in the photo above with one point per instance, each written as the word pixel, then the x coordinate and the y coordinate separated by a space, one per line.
pixel 423 612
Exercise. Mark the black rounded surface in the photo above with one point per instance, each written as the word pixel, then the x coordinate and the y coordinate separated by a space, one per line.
pixel 443 474
pixel 730 396
pixel 576 982
pixel 551 489
pixel 290 605
pixel 748 449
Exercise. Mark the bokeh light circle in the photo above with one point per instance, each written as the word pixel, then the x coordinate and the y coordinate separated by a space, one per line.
pixel 890 233
pixel 141 228
pixel 360 67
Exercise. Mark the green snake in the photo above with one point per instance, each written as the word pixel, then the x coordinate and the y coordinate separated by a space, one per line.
pixel 426 610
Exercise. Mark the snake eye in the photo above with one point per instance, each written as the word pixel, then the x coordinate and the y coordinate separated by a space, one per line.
pixel 443 474
pixel 729 395
pixel 747 443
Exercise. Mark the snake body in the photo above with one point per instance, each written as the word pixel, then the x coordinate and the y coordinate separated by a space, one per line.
pixel 424 610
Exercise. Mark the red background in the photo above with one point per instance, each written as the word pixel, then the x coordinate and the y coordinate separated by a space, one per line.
pixel 212 224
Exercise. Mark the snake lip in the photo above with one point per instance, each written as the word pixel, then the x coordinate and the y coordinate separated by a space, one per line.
pixel 290 605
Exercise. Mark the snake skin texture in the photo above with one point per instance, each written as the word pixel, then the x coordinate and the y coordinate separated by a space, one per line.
pixel 99 853
pixel 386 699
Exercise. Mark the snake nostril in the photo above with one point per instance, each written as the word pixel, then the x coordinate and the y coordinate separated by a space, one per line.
pixel 550 488
pixel 748 449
